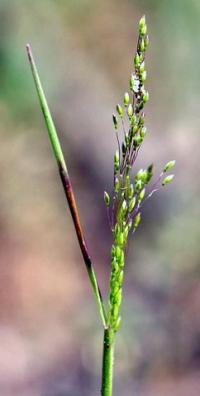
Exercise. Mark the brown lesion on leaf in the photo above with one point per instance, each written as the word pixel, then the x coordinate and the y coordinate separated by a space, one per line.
pixel 74 213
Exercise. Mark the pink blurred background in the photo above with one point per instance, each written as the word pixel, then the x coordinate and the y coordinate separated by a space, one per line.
pixel 50 332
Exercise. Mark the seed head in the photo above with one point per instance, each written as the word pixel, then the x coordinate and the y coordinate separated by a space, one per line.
pixel 129 192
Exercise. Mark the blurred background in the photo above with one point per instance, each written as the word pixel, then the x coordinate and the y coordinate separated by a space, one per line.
pixel 50 332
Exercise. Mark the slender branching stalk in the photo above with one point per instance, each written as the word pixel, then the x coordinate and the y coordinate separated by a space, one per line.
pixel 129 193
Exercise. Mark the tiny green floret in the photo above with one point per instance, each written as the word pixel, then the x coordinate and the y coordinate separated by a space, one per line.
pixel 106 198
pixel 167 180
pixel 119 110
pixel 126 99
pixel 130 110
pixel 115 122
pixel 169 165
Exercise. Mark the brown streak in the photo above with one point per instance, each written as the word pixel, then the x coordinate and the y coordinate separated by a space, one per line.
pixel 74 213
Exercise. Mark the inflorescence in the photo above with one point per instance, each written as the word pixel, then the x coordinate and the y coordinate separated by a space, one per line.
pixel 129 193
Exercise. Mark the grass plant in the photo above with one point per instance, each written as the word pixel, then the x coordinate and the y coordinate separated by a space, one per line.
pixel 129 192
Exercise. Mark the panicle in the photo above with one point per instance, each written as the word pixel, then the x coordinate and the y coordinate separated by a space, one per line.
pixel 129 192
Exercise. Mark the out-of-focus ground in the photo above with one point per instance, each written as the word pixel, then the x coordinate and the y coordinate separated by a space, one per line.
pixel 50 333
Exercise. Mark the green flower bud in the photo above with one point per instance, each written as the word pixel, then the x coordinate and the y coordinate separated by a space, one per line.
pixel 117 324
pixel 135 129
pixel 150 168
pixel 141 195
pixel 117 230
pixel 142 67
pixel 117 185
pixel 143 132
pixel 115 290
pixel 144 76
pixel 167 180
pixel 124 206
pixel 127 180
pixel 123 149
pixel 119 297
pixel 116 161
pixel 137 220
pixel 112 300
pixel 141 119
pixel 121 259
pixel 145 97
pixel 149 173
pixel 142 45
pixel 130 110
pixel 139 174
pixel 113 251
pixel 169 166
pixel 115 312
pixel 130 191
pixel 118 252
pixel 120 239
pixel 137 141
pixel 127 139
pixel 130 223
pixel 125 234
pixel 137 60
pixel 131 204
pixel 140 105
pixel 143 30
pixel 142 22
pixel 115 123
pixel 119 110
pixel 106 198
pixel 138 185
pixel 126 99
pixel 112 283
pixel 133 120
pixel 142 138
pixel 146 41
pixel 115 265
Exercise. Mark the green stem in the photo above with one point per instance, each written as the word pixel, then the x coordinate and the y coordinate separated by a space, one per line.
pixel 108 360
pixel 64 175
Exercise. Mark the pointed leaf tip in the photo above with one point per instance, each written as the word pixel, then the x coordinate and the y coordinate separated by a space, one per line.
pixel 29 52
